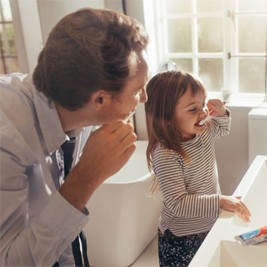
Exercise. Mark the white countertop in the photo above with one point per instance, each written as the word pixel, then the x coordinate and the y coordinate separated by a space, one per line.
pixel 252 188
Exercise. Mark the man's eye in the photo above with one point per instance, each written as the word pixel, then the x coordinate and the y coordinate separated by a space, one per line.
pixel 139 92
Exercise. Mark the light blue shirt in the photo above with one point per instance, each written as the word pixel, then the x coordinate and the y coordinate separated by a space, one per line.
pixel 37 223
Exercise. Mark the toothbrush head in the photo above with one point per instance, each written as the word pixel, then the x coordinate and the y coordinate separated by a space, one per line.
pixel 207 118
pixel 203 121
pixel 129 116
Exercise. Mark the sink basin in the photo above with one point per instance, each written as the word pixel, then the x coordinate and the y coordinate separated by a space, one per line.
pixel 233 254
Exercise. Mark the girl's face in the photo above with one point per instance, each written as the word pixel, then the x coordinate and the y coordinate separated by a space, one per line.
pixel 189 111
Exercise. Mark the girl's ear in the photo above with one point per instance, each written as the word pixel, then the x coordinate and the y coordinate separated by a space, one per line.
pixel 100 99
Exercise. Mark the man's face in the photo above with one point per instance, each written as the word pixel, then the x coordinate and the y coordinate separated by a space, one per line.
pixel 134 92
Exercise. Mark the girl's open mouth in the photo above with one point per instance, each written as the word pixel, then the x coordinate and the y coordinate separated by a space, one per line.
pixel 199 124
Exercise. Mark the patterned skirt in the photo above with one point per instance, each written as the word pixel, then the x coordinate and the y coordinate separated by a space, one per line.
pixel 178 251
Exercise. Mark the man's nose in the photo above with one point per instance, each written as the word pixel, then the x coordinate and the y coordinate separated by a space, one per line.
pixel 143 96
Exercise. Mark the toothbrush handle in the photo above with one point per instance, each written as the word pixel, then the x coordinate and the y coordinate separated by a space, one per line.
pixel 212 111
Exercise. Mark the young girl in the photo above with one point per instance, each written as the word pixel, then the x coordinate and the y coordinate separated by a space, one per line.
pixel 181 154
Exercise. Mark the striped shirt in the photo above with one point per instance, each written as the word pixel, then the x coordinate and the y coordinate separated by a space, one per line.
pixel 190 188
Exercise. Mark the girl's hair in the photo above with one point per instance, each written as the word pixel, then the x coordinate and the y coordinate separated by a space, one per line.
pixel 164 91
pixel 87 50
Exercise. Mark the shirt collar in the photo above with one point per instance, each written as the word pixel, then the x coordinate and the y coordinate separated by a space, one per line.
pixel 50 124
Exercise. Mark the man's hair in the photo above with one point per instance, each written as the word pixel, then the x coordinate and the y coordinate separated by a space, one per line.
pixel 88 50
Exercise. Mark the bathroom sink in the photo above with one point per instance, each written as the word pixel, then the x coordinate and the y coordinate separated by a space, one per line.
pixel 229 253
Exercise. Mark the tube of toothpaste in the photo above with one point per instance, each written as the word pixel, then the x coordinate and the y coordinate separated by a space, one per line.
pixel 253 237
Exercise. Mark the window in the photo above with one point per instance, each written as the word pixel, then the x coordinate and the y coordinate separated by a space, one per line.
pixel 8 52
pixel 223 42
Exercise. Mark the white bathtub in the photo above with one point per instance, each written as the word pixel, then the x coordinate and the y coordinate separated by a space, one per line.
pixel 123 219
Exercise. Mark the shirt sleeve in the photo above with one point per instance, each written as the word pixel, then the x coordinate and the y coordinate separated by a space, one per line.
pixel 221 125
pixel 38 239
pixel 175 195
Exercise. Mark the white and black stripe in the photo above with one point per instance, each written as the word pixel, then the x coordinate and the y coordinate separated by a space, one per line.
pixel 190 188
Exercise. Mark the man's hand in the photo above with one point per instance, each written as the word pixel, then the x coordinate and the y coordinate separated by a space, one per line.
pixel 106 151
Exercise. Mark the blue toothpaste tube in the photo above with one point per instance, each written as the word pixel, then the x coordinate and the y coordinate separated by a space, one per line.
pixel 253 237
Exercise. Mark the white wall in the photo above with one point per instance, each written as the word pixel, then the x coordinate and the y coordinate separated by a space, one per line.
pixel 52 11
pixel 28 33
pixel 232 150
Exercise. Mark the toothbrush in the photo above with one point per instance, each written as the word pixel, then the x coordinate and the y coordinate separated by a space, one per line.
pixel 207 118
pixel 127 120
pixel 129 116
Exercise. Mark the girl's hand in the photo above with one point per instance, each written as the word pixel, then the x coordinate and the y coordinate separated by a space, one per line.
pixel 234 204
pixel 217 106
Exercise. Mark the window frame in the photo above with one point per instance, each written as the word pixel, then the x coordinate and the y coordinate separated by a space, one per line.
pixel 230 67
pixel 5 55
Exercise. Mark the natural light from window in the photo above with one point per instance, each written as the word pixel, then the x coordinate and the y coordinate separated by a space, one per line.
pixel 8 52
pixel 223 42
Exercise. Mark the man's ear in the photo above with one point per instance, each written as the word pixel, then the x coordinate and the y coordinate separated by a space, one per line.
pixel 100 98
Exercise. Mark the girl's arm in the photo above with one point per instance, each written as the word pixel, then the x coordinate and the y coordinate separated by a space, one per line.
pixel 175 194
pixel 221 121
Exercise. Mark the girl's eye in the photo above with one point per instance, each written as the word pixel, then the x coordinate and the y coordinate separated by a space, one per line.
pixel 193 109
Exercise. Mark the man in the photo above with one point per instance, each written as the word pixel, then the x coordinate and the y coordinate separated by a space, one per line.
pixel 91 71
